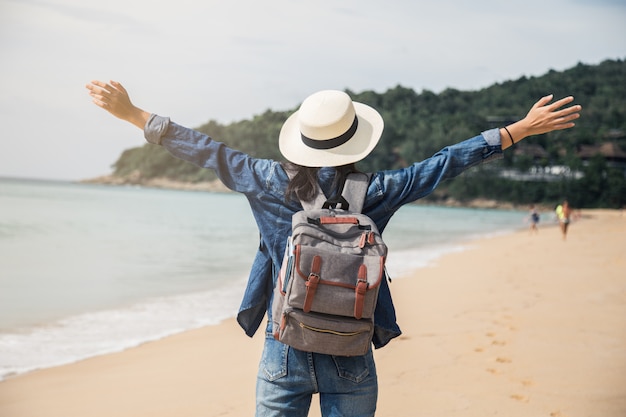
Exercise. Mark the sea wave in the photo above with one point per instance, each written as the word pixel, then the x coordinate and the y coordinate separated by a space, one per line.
pixel 96 333
pixel 72 253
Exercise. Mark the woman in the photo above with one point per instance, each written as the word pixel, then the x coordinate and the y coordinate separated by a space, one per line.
pixel 322 141
pixel 563 213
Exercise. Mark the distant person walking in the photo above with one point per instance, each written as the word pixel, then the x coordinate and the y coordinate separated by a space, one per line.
pixel 564 215
pixel 533 219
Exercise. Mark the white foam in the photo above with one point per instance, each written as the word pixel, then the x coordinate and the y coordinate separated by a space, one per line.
pixel 92 334
pixel 403 262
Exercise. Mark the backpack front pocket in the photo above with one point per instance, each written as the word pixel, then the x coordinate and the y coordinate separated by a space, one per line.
pixel 302 330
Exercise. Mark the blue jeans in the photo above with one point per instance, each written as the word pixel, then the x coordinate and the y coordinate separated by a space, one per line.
pixel 288 378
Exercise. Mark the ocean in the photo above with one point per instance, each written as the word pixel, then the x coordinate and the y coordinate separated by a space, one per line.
pixel 88 269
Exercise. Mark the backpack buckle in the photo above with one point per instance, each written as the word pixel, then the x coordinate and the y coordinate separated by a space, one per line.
pixel 359 297
pixel 312 282
pixel 311 288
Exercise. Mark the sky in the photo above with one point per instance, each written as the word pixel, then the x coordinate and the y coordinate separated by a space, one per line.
pixel 196 61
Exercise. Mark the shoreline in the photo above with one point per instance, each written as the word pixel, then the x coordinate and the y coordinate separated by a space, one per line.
pixel 217 186
pixel 180 311
pixel 420 258
pixel 539 332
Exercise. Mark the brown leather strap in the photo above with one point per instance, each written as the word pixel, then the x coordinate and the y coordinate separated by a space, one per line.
pixel 359 292
pixel 339 220
pixel 312 282
pixel 362 240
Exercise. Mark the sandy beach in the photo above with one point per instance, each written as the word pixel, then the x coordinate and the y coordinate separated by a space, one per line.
pixel 523 325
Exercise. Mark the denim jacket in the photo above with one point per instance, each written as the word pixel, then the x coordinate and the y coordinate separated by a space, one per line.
pixel 264 182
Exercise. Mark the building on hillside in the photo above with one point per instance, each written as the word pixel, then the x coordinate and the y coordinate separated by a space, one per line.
pixel 610 151
pixel 542 169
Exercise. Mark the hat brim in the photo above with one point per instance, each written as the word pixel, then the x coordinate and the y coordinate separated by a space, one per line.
pixel 361 144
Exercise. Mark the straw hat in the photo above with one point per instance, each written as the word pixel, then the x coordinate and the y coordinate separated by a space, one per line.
pixel 330 129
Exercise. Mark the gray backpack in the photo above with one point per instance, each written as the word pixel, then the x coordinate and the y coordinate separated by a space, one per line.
pixel 326 292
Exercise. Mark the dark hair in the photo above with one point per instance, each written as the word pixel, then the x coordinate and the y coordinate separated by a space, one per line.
pixel 303 185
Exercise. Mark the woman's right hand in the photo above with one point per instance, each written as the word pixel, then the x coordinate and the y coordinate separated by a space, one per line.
pixel 543 117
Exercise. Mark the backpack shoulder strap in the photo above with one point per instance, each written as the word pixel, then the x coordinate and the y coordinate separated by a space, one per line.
pixel 355 190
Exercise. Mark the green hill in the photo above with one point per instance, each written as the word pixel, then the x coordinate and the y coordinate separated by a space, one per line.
pixel 586 164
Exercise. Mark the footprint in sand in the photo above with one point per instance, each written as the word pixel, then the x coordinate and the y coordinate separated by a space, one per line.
pixel 503 360
pixel 506 322
pixel 521 398
pixel 527 382
pixel 494 342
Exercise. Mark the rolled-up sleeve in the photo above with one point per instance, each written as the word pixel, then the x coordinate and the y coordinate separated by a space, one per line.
pixel 492 137
pixel 155 128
